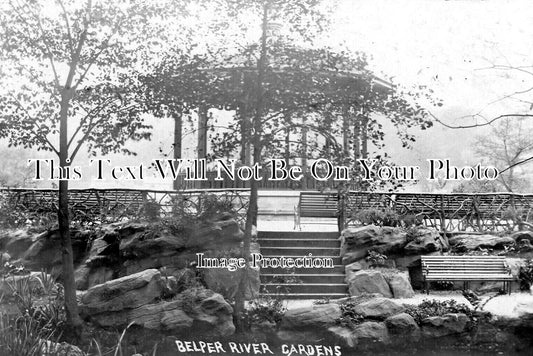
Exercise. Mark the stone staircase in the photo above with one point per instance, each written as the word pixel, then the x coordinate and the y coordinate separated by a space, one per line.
pixel 302 283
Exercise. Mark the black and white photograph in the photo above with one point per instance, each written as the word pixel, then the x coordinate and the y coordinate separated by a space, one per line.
pixel 266 177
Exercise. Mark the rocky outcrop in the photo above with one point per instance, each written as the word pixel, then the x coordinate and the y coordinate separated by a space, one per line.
pixel 139 299
pixel 386 282
pixel 343 336
pixel 196 309
pixel 123 249
pixel 400 284
pixel 370 332
pixel 378 308
pixel 424 241
pixel 403 325
pixel 368 282
pixel 438 326
pixel 356 242
pixel 316 316
pixel 307 324
pixel 123 293
pixel 16 242
pixel 473 242
pixel 41 251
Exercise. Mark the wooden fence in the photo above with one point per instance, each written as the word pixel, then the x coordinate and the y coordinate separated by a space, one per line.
pixel 111 205
pixel 445 212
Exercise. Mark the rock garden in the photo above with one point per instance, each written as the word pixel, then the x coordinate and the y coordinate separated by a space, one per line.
pixel 139 291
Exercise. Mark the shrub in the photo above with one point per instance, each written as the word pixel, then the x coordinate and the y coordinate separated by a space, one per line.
pixel 266 309
pixel 434 307
pixel 385 217
pixel 349 317
pixel 411 233
pixel 22 336
pixel 376 259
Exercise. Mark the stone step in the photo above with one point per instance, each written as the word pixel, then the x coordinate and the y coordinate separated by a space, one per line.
pixel 299 251
pixel 267 242
pixel 335 278
pixel 337 269
pixel 298 288
pixel 302 235
pixel 317 296
pixel 336 259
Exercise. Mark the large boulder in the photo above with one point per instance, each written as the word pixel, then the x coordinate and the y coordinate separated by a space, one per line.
pixel 400 284
pixel 356 242
pixel 101 253
pixel 44 253
pixel 448 324
pixel 402 325
pixel 315 316
pixel 196 309
pixel 369 333
pixel 16 242
pixel 425 240
pixel 473 242
pixel 343 336
pixel 378 308
pixel 368 282
pixel 146 243
pixel 123 293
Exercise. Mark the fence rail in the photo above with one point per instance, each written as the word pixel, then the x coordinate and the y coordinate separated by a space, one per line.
pixel 111 205
pixel 445 212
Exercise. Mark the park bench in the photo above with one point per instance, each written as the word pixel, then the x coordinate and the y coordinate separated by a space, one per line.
pixel 466 269
pixel 316 205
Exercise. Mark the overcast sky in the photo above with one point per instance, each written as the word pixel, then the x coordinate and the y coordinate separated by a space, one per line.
pixel 448 46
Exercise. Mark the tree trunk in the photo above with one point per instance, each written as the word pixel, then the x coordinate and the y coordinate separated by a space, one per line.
pixel 288 146
pixel 364 137
pixel 251 214
pixel 357 139
pixel 202 136
pixel 177 143
pixel 304 156
pixel 245 128
pixel 346 133
pixel 67 256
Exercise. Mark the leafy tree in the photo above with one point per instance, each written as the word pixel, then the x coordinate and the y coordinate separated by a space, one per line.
pixel 78 64
pixel 302 18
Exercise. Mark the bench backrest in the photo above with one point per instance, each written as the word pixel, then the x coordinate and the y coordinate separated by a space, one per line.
pixel 466 265
pixel 317 205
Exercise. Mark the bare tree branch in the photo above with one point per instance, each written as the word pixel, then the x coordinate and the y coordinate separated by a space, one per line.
pixel 489 122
